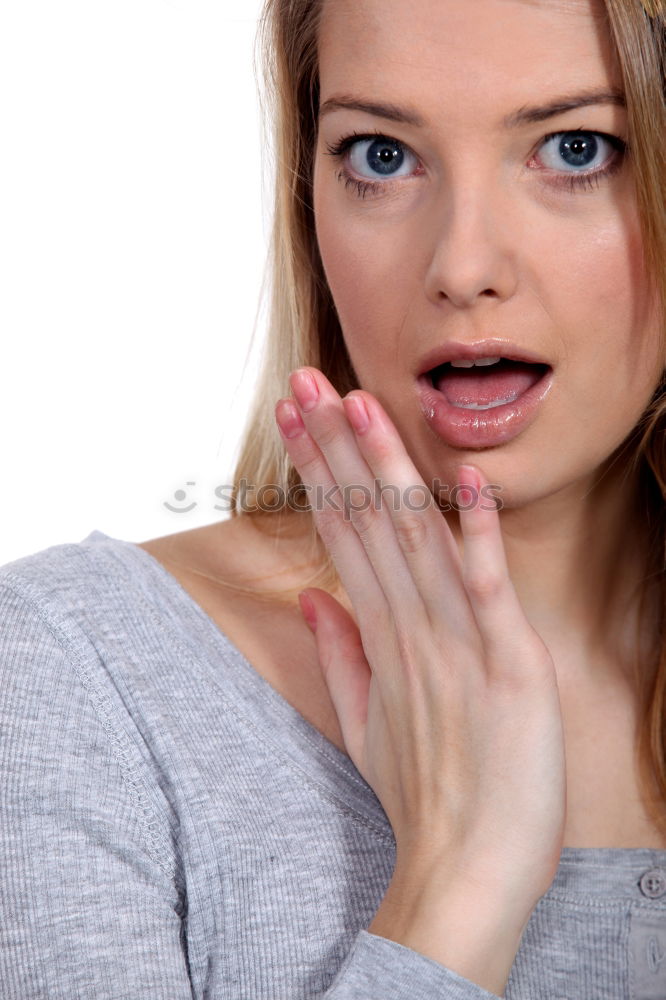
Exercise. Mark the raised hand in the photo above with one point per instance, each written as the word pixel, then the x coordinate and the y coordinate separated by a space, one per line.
pixel 446 696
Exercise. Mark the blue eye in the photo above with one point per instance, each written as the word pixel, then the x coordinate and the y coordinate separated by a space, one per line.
pixel 384 156
pixel 582 148
pixel 577 149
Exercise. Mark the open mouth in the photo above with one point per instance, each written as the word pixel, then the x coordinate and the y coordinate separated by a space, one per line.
pixel 486 383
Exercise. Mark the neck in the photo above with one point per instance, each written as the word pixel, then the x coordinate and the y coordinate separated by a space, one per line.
pixel 578 560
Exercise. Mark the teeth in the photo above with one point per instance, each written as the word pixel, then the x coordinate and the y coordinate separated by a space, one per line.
pixel 486 406
pixel 471 364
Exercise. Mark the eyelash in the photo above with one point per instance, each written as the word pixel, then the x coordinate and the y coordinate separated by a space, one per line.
pixel 575 182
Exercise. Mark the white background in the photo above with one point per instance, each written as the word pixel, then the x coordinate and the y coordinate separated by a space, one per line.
pixel 133 232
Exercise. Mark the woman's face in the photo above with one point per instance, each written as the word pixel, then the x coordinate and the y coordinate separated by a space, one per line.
pixel 480 229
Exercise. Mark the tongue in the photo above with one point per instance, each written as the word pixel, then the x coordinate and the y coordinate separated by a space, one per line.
pixel 483 386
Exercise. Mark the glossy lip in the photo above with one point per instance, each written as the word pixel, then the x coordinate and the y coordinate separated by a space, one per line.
pixel 463 428
pixel 493 347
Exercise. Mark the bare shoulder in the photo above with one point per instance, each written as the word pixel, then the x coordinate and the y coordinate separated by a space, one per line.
pixel 221 549
pixel 238 552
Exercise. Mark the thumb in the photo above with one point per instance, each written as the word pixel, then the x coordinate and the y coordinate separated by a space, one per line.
pixel 343 665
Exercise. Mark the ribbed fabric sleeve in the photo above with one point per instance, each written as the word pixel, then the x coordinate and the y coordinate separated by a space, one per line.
pixel 87 897
pixel 377 967
pixel 171 827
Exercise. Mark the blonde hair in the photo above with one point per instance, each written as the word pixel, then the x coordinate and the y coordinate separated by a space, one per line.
pixel 303 326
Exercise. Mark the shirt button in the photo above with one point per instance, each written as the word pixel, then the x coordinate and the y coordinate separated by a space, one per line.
pixel 653 883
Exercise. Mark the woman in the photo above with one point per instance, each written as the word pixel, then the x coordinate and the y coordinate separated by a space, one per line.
pixel 452 781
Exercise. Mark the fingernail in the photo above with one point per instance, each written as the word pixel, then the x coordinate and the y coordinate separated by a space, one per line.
pixel 467 492
pixel 288 418
pixel 308 610
pixel 468 476
pixel 357 413
pixel 305 389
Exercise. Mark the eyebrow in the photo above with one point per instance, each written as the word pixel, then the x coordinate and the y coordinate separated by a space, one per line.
pixel 527 115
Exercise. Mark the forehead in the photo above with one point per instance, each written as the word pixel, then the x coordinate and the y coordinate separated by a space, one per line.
pixel 426 51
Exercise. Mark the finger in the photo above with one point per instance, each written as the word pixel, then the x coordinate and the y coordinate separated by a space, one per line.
pixel 505 632
pixel 427 542
pixel 329 428
pixel 344 668
pixel 346 550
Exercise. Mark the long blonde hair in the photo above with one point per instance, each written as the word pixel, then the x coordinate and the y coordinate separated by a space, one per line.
pixel 303 326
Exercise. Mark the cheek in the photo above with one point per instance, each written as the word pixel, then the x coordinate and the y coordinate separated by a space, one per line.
pixel 366 270
pixel 601 302
pixel 606 317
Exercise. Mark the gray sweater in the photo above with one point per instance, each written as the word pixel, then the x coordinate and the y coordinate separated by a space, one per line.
pixel 171 827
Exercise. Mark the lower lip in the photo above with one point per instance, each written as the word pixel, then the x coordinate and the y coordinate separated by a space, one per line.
pixel 463 428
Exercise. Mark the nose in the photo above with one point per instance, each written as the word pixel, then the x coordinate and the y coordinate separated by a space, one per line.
pixel 474 245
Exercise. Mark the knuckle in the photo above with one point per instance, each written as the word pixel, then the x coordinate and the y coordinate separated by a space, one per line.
pixel 328 434
pixel 484 585
pixel 310 464
pixel 383 448
pixel 364 518
pixel 412 532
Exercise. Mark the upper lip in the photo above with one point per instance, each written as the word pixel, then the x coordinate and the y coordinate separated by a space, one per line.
pixel 454 350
